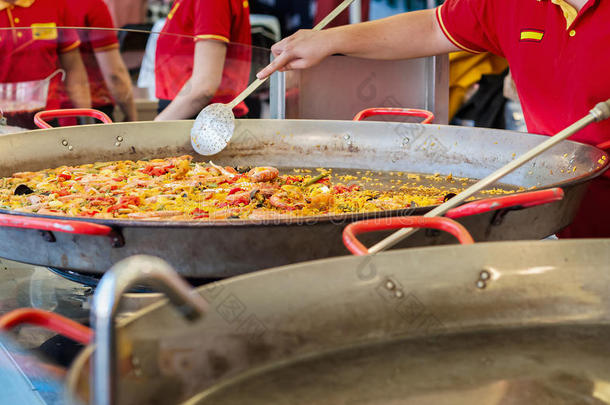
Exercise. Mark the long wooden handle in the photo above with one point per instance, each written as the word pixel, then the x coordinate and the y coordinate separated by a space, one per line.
pixel 599 113
pixel 255 84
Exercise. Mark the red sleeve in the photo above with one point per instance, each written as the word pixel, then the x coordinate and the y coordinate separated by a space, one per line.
pixel 99 16
pixel 471 24
pixel 68 38
pixel 213 20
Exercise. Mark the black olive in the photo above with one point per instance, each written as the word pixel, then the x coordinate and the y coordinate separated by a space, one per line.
pixel 260 205
pixel 234 217
pixel 22 189
pixel 448 197
pixel 242 169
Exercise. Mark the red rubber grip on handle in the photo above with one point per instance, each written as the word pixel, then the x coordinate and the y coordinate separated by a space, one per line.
pixel 39 118
pixel 524 200
pixel 383 224
pixel 47 320
pixel 408 112
pixel 54 225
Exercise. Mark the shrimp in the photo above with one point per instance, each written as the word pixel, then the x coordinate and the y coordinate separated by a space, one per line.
pixel 223 171
pixel 243 197
pixel 288 198
pixel 260 174
pixel 34 199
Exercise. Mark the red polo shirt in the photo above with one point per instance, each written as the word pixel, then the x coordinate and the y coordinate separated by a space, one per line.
pixel 226 21
pixel 559 60
pixel 95 13
pixel 32 53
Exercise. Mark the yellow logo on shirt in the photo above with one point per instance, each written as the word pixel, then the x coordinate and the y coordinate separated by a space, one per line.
pixel 532 35
pixel 44 31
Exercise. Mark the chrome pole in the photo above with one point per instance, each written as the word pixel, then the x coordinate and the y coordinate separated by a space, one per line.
pixel 119 279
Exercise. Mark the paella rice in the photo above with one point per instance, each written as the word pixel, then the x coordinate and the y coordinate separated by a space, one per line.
pixel 177 188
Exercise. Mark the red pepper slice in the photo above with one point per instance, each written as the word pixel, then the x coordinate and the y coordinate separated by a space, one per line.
pixel 198 213
pixel 236 190
pixel 64 176
pixel 293 179
pixel 156 170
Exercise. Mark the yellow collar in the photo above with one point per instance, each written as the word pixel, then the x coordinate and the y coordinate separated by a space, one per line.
pixel 569 12
pixel 20 3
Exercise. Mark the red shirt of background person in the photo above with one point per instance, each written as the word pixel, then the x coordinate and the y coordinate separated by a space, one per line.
pixel 109 79
pixel 215 24
pixel 324 7
pixel 38 50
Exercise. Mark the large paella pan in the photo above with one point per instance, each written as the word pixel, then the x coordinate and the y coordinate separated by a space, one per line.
pixel 223 248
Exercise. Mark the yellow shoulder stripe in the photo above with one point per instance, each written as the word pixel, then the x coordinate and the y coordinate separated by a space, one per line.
pixel 218 37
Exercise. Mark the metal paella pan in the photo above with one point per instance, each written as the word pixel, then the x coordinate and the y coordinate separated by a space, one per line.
pixel 446 324
pixel 226 248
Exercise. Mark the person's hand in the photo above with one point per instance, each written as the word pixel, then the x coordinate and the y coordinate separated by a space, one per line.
pixel 304 49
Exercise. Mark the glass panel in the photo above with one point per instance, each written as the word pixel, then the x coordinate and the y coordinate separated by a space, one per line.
pixel 38 72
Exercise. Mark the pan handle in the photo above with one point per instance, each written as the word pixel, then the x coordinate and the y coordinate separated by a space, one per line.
pixel 408 112
pixel 516 201
pixel 39 118
pixel 61 225
pixel 383 224
pixel 47 320
pixel 54 225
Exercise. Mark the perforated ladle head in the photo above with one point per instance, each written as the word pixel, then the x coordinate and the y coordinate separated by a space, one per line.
pixel 213 129
pixel 215 124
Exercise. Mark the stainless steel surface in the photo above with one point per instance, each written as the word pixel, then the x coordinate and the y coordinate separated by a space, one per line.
pixel 599 113
pixel 227 248
pixel 106 300
pixel 355 12
pixel 398 326
pixel 341 86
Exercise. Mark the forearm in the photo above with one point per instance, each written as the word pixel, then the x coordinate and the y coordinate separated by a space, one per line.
pixel 187 104
pixel 408 35
pixel 403 36
pixel 209 60
pixel 77 86
pixel 118 81
pixel 121 90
